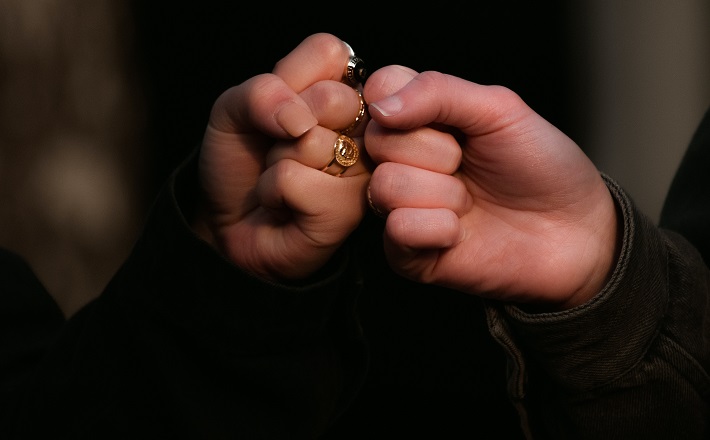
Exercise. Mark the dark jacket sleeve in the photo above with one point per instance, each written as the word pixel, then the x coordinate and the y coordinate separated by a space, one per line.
pixel 184 344
pixel 634 362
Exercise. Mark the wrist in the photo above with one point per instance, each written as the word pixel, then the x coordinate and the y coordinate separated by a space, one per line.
pixel 608 239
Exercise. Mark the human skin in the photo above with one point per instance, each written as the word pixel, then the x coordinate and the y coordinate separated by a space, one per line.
pixel 483 195
pixel 265 203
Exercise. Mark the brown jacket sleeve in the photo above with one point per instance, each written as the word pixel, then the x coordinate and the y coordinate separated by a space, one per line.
pixel 634 362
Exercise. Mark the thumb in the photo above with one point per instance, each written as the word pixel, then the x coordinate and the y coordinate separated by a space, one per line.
pixel 434 97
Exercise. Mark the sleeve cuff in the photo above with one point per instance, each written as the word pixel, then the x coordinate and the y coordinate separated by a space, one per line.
pixel 176 276
pixel 595 342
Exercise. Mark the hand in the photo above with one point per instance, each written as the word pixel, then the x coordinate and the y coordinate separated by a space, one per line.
pixel 266 205
pixel 484 195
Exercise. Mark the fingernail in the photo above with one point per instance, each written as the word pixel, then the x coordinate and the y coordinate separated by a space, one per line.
pixel 295 119
pixel 389 106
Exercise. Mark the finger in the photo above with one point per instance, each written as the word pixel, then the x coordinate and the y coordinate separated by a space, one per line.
pixel 387 81
pixel 319 57
pixel 426 147
pixel 395 186
pixel 409 229
pixel 434 97
pixel 422 147
pixel 337 106
pixel 317 149
pixel 265 104
pixel 326 214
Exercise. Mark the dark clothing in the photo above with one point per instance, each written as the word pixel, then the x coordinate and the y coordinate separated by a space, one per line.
pixel 184 344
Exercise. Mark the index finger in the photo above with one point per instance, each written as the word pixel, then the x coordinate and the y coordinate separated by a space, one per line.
pixel 320 56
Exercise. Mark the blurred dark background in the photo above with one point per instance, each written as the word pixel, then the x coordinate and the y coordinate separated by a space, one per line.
pixel 193 53
pixel 100 100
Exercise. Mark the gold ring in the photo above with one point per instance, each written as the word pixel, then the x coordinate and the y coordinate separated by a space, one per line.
pixel 359 117
pixel 345 155
pixel 377 211
pixel 355 71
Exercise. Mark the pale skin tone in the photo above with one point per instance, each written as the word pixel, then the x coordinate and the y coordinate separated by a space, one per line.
pixel 510 208
pixel 482 194
pixel 266 205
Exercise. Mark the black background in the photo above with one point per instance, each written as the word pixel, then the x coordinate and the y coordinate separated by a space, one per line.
pixel 189 53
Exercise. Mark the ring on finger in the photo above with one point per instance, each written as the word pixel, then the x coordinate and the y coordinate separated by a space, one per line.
pixel 360 115
pixel 355 71
pixel 377 211
pixel 345 155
